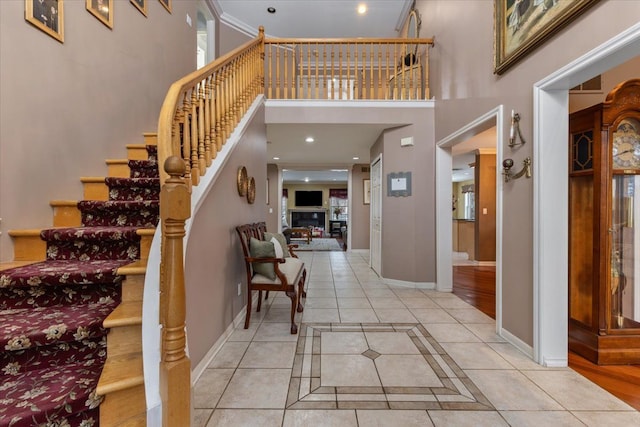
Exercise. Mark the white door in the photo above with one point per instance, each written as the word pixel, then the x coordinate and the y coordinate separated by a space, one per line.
pixel 376 216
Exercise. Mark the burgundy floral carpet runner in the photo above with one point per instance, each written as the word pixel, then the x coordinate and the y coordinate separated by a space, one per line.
pixel 52 342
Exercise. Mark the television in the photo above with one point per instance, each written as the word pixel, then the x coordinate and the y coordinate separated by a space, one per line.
pixel 309 198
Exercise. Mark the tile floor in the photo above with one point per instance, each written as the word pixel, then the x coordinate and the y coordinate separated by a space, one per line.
pixel 369 354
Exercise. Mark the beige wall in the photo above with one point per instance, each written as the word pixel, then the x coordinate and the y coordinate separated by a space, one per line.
pixel 229 38
pixel 408 223
pixel 462 79
pixel 273 220
pixel 360 217
pixel 214 264
pixel 65 108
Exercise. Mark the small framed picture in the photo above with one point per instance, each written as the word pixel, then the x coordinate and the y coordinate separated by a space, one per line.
pixel 166 4
pixel 103 10
pixel 366 191
pixel 46 15
pixel 141 5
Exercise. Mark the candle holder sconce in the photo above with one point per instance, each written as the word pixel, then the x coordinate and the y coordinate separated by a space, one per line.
pixel 515 131
pixel 507 164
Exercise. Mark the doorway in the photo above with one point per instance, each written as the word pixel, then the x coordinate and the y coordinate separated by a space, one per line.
pixel 376 216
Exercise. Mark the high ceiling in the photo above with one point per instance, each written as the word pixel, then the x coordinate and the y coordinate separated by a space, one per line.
pixel 316 18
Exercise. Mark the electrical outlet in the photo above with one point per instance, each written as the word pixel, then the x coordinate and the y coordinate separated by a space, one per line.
pixel 239 289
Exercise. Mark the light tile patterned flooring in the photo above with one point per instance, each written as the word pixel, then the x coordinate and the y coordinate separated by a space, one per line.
pixel 369 354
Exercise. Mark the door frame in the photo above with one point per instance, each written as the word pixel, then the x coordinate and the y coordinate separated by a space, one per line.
pixel 444 234
pixel 375 203
pixel 550 192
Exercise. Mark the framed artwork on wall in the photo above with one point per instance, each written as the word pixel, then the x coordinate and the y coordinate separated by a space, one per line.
pixel 166 4
pixel 522 25
pixel 103 10
pixel 46 15
pixel 366 191
pixel 141 5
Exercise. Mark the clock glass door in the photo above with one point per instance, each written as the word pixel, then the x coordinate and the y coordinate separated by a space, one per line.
pixel 624 287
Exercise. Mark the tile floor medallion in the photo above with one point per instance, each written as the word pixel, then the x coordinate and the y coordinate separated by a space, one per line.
pixel 377 366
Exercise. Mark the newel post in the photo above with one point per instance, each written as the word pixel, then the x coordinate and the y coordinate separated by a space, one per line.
pixel 175 367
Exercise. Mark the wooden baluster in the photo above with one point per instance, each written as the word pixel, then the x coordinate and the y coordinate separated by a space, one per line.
pixel 208 137
pixel 378 95
pixel 339 71
pixel 388 74
pixel 186 134
pixel 371 82
pixel 364 71
pixel 218 99
pixel 278 88
pixel 175 367
pixel 333 79
pixel 425 70
pixel 323 83
pixel 195 162
pixel 293 71
pixel 349 94
pixel 225 100
pixel 270 79
pixel 308 83
pixel 317 79
pixel 202 159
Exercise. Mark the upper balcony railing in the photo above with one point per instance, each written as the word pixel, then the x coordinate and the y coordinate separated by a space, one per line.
pixel 347 69
pixel 202 109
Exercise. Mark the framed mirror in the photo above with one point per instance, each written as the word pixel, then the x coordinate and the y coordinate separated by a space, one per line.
pixel 412 31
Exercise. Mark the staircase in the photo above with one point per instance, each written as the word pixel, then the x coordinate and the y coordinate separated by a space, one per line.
pixel 71 304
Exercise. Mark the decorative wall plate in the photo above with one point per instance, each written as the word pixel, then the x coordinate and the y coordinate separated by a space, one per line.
pixel 242 181
pixel 251 191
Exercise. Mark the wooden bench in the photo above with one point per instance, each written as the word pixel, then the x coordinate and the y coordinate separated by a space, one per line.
pixel 290 273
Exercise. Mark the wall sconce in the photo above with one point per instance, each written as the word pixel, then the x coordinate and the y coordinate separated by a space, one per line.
pixel 507 164
pixel 515 129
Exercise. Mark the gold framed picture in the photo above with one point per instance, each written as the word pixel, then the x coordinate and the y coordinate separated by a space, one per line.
pixel 141 5
pixel 103 10
pixel 521 26
pixel 166 4
pixel 46 15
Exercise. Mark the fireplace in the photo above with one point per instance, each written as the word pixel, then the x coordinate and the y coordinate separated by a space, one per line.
pixel 307 218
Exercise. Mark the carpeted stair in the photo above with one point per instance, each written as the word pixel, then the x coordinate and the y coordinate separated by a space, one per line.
pixel 53 343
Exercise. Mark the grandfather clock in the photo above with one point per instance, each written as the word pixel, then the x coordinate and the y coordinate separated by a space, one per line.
pixel 604 228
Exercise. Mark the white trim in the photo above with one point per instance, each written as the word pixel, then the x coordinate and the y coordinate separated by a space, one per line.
pixel 197 372
pixel 517 342
pixel 405 284
pixel 550 204
pixel 360 103
pixel 444 251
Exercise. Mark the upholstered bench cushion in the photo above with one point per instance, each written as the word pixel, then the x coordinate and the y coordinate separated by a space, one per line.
pixel 291 269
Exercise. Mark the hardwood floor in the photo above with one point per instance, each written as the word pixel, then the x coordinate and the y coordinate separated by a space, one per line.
pixel 622 381
pixel 476 285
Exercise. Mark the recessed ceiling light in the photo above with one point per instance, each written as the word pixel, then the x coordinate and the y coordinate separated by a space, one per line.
pixel 356 158
pixel 306 179
pixel 309 139
pixel 271 9
pixel 276 158
pixel 338 170
pixel 362 8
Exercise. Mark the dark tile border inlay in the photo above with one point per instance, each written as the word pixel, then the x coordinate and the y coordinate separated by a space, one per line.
pixel 306 391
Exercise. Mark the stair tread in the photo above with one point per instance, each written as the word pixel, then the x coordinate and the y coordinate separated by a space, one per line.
pixel 75 273
pixel 72 203
pixel 121 372
pixel 92 179
pixel 26 328
pixel 57 392
pixel 125 314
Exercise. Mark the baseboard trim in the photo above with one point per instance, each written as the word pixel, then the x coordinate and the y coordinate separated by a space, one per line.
pixel 516 342
pixel 406 284
pixel 197 372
